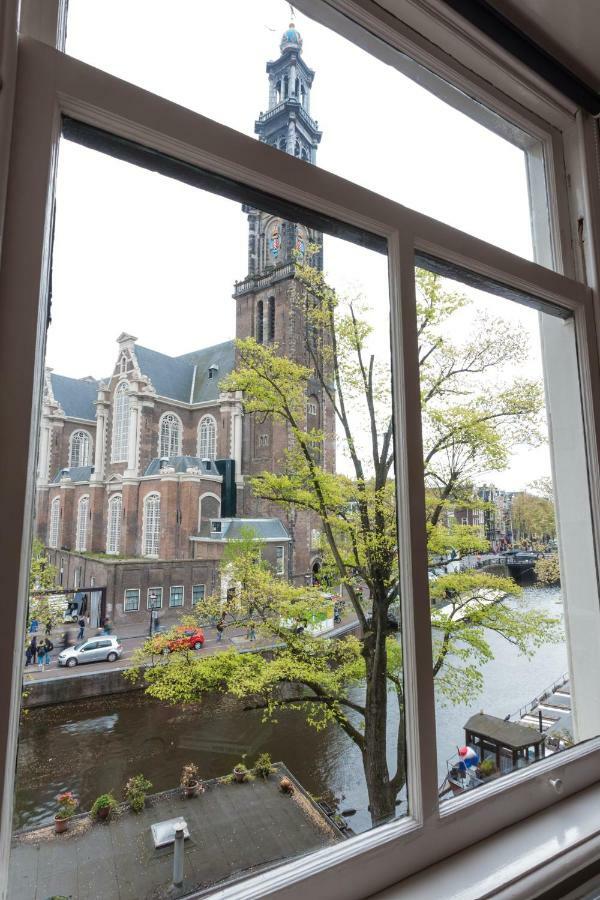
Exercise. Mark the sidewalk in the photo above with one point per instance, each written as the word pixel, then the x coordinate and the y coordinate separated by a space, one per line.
pixel 132 639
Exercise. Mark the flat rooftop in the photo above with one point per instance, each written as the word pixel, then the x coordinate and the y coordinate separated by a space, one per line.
pixel 235 830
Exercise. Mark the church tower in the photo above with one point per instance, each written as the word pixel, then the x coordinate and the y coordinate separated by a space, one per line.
pixel 265 298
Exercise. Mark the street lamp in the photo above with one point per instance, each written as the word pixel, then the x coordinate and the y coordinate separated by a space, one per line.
pixel 151 598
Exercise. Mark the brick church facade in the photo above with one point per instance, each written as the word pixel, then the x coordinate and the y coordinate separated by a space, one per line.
pixel 143 476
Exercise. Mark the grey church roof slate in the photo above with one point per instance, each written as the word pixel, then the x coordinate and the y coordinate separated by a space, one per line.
pixel 264 529
pixel 182 464
pixel 182 377
pixel 75 395
pixel 75 473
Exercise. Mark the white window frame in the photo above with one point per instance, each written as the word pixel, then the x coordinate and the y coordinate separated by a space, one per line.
pixel 194 601
pixel 121 406
pixel 207 447
pixel 159 593
pixel 280 559
pixel 113 524
pixel 151 530
pixel 176 587
pixel 131 591
pixel 82 526
pixel 60 84
pixel 203 496
pixel 174 428
pixel 87 448
pixel 54 523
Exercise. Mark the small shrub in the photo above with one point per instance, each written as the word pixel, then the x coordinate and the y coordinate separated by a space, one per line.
pixel 135 792
pixel 104 801
pixel 286 786
pixel 189 775
pixel 67 804
pixel 487 768
pixel 263 767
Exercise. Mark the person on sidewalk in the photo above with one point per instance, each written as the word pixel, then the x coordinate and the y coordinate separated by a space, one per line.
pixel 29 653
pixel 49 624
pixel 44 653
pixel 251 632
pixel 34 626
pixel 220 629
pixel 81 624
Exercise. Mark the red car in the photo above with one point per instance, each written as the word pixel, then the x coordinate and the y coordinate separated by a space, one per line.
pixel 186 639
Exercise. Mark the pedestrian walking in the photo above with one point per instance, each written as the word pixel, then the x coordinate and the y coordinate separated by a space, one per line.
pixel 28 655
pixel 81 624
pixel 34 626
pixel 44 651
pixel 49 624
pixel 220 629
pixel 251 632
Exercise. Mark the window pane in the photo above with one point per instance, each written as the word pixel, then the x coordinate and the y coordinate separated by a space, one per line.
pixel 449 158
pixel 288 543
pixel 512 578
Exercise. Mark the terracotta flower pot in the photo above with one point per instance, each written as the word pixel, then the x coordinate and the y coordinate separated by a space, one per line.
pixel 104 812
pixel 190 790
pixel 239 775
pixel 60 825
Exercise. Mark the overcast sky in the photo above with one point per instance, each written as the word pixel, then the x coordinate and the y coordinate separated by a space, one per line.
pixel 140 253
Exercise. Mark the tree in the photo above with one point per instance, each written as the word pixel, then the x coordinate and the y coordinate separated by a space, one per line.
pixel 42 578
pixel 533 517
pixel 547 570
pixel 467 428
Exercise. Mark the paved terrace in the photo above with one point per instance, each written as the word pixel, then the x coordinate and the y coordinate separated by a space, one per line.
pixel 235 830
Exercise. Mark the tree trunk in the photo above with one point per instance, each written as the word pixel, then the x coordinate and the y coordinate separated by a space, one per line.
pixel 382 798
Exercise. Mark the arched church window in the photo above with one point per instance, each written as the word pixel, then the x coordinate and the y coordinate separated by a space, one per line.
pixel 120 425
pixel 113 531
pixel 83 511
pixel 286 87
pixel 271 318
pixel 54 523
pixel 297 88
pixel 169 443
pixel 302 95
pixel 282 144
pixel 207 438
pixel 260 330
pixel 151 530
pixel 304 153
pixel 79 452
pixel 278 91
pixel 209 509
pixel 297 149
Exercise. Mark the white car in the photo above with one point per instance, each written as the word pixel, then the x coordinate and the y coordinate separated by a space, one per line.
pixel 94 649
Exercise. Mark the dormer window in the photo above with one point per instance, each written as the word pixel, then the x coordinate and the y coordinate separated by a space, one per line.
pixel 212 371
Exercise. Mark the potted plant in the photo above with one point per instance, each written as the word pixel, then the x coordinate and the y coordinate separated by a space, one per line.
pixel 135 792
pixel 67 804
pixel 189 780
pixel 103 806
pixel 286 786
pixel 487 767
pixel 240 772
pixel 263 767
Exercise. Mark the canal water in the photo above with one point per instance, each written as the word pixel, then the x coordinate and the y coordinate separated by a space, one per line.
pixel 94 746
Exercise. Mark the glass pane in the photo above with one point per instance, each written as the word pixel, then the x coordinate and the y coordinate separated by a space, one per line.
pixel 512 577
pixel 325 100
pixel 219 351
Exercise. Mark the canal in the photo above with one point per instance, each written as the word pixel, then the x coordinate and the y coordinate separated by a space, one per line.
pixel 94 746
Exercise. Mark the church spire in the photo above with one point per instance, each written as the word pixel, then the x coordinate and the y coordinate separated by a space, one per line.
pixel 287 123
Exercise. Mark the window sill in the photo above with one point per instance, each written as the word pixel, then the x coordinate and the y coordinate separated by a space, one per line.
pixel 519 862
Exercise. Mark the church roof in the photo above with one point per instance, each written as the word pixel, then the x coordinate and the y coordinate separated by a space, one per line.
pixel 264 530
pixel 75 395
pixel 182 464
pixel 75 473
pixel 186 378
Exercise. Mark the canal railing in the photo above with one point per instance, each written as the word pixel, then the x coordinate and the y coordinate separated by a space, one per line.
pixel 547 692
